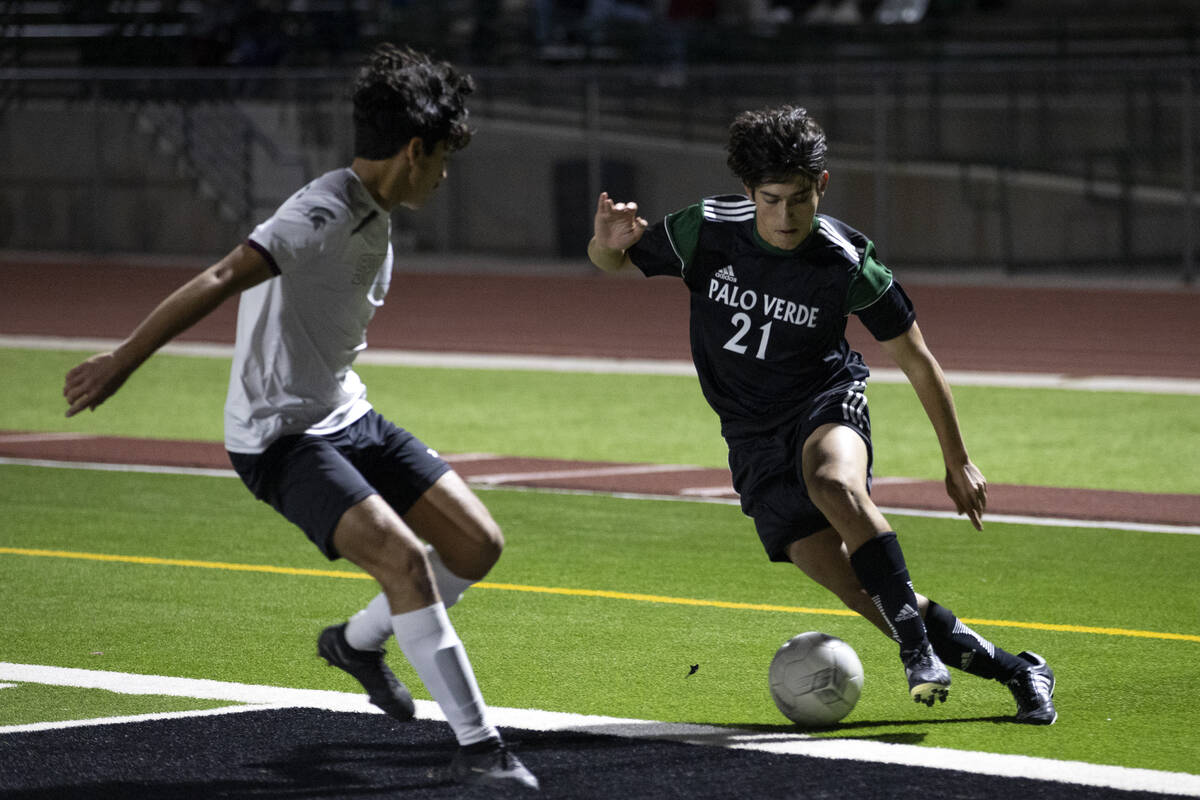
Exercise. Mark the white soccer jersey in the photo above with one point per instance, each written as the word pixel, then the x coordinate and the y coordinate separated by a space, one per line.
pixel 299 332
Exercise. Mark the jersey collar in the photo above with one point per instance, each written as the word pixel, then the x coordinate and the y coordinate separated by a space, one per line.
pixel 365 192
pixel 770 248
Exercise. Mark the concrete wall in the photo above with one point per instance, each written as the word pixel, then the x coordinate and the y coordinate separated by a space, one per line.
pixel 90 179
pixel 80 178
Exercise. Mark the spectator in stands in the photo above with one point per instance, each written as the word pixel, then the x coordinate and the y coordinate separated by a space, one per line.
pixel 258 40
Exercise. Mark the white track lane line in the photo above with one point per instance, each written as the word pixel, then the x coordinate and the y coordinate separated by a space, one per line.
pixel 636 366
pixel 583 472
pixel 702 495
pixel 27 438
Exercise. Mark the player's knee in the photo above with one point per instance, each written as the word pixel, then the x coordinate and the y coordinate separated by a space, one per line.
pixel 834 489
pixel 379 544
pixel 403 566
pixel 488 544
pixel 489 554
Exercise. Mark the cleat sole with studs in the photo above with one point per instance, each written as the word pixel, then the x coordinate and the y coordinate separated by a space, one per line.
pixel 930 693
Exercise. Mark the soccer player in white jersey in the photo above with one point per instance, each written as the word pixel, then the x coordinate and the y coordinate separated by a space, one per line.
pixel 298 426
pixel 772 283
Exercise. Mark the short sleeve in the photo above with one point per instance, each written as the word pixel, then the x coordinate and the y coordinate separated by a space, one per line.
pixel 298 231
pixel 869 284
pixel 890 315
pixel 667 247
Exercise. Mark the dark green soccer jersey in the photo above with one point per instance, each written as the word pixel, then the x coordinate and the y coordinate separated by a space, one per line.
pixel 768 326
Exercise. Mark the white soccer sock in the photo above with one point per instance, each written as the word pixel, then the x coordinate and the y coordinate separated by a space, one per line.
pixel 432 646
pixel 450 586
pixel 370 628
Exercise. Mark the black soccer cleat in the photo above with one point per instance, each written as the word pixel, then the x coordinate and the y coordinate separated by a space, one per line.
pixel 928 678
pixel 384 689
pixel 491 763
pixel 1033 689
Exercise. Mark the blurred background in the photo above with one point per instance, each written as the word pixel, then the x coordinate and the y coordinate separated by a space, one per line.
pixel 1010 137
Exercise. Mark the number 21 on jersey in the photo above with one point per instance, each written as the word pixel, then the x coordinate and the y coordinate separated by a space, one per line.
pixel 744 324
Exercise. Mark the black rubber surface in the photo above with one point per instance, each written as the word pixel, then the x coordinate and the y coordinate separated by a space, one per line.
pixel 304 753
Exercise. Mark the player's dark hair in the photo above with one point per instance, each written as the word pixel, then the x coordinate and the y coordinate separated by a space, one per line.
pixel 401 93
pixel 775 145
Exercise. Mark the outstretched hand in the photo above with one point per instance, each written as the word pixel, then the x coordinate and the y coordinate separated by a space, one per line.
pixel 968 489
pixel 617 225
pixel 92 382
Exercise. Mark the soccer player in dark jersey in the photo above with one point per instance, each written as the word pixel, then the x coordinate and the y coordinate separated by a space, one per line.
pixel 772 284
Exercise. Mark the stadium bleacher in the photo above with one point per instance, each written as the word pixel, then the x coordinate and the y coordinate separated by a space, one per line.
pixel 263 34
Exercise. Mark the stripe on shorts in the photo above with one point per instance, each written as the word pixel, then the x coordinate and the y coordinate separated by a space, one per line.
pixel 854 406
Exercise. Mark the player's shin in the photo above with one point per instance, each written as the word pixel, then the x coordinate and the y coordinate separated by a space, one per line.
pixel 880 567
pixel 959 646
pixel 370 628
pixel 432 646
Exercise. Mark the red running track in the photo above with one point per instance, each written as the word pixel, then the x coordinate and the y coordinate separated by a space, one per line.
pixel 1079 332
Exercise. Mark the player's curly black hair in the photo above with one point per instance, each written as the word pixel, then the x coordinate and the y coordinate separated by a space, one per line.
pixel 401 93
pixel 775 145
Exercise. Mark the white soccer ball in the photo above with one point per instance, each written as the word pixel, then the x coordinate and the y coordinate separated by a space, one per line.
pixel 815 679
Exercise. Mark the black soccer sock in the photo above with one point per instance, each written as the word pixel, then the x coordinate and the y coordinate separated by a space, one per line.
pixel 959 646
pixel 879 565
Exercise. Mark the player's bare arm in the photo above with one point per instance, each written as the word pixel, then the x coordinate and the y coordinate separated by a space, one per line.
pixel 617 227
pixel 91 383
pixel 964 482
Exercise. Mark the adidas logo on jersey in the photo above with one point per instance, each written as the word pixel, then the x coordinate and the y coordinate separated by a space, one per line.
pixel 726 274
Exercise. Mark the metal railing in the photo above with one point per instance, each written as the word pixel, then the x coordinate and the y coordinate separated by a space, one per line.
pixel 217 144
pixel 1110 131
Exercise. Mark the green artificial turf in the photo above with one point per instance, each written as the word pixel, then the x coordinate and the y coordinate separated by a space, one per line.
pixel 1065 593
pixel 1095 440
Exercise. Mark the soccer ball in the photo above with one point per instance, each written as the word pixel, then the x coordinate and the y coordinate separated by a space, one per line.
pixel 815 679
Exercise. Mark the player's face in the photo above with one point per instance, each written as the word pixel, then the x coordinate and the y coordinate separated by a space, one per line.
pixel 428 170
pixel 784 211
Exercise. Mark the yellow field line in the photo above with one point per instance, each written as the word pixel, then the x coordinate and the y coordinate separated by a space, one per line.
pixel 601 593
pixel 183 562
pixel 655 598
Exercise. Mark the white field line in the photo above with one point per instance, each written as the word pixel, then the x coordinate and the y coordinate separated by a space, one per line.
pixel 635 366
pixel 583 472
pixel 96 466
pixel 24 438
pixel 699 495
pixel 707 496
pixel 259 697
pixel 463 457
pixel 707 491
pixel 1052 522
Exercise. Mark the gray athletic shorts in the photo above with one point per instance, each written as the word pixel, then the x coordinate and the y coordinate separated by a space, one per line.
pixel 314 480
pixel 767 473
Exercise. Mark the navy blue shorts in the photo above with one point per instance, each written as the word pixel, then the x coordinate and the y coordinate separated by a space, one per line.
pixel 767 473
pixel 314 480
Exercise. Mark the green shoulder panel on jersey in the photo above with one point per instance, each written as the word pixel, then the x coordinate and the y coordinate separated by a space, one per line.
pixel 683 231
pixel 871 282
pixel 869 279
